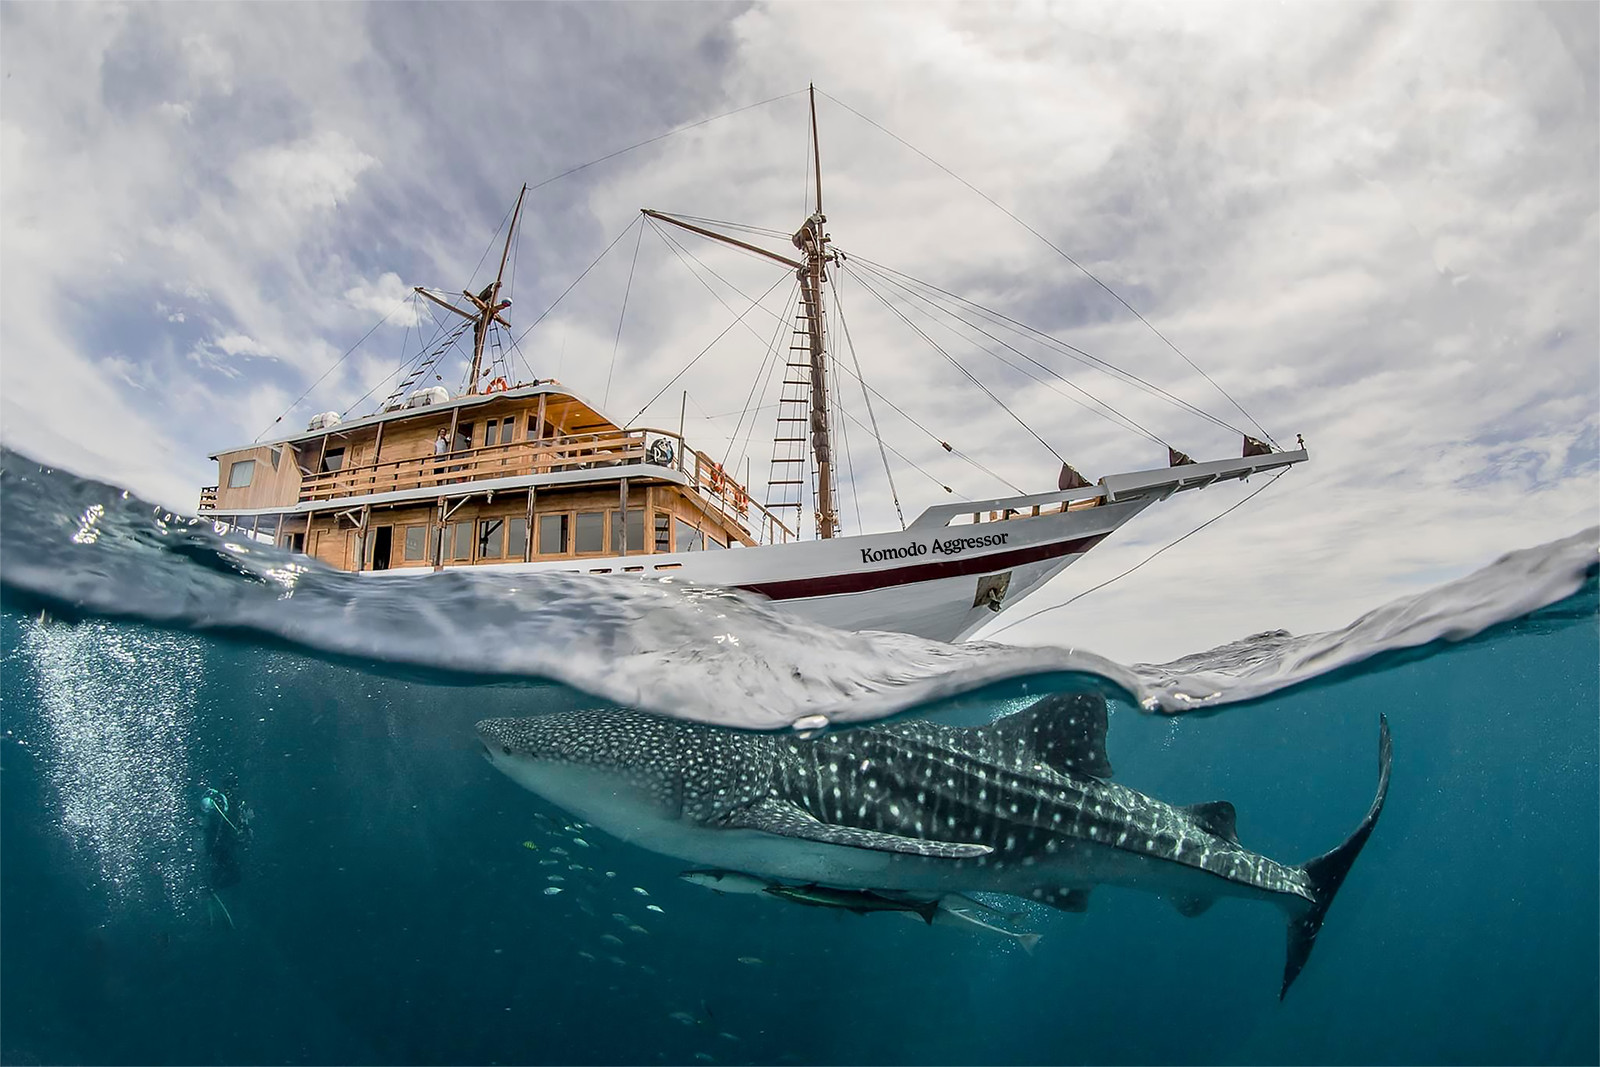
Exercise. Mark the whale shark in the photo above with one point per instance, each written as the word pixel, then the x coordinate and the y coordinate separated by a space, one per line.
pixel 1024 806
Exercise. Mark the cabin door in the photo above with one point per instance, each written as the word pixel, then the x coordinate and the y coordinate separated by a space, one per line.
pixel 382 541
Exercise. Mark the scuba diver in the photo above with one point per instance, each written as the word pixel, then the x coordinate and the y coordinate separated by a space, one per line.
pixel 227 830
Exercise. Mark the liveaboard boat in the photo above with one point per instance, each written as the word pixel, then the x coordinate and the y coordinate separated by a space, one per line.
pixel 534 476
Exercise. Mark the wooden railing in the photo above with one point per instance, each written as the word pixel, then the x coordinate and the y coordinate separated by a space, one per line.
pixel 208 498
pixel 614 448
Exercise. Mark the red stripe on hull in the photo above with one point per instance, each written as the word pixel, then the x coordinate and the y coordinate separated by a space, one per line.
pixel 835 584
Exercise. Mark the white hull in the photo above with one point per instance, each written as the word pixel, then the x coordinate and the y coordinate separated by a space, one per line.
pixel 932 580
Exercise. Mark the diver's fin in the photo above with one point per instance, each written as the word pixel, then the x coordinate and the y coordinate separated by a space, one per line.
pixel 1215 817
pixel 1073 900
pixel 1064 731
pixel 779 817
pixel 1327 873
pixel 1189 907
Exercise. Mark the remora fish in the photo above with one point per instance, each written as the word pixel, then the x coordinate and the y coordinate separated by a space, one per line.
pixel 860 901
pixel 1020 806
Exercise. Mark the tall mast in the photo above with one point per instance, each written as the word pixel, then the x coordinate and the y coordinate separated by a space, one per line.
pixel 812 241
pixel 487 305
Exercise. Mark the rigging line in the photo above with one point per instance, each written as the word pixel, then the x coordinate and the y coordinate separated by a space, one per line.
pixel 1060 252
pixel 682 252
pixel 1228 511
pixel 970 376
pixel 1126 422
pixel 617 341
pixel 743 227
pixel 762 375
pixel 335 366
pixel 661 137
pixel 473 277
pixel 844 327
pixel 404 362
pixel 844 435
pixel 1068 349
pixel 704 350
pixel 902 457
pixel 578 279
pixel 893 406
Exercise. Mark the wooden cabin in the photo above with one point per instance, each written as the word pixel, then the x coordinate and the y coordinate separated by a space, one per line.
pixel 528 473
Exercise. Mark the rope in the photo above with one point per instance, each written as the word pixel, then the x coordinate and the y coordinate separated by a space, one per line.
pixel 617 341
pixel 575 282
pixel 844 327
pixel 1071 351
pixel 1115 295
pixel 1126 422
pixel 1054 607
pixel 707 348
pixel 335 366
pixel 660 137
pixel 954 362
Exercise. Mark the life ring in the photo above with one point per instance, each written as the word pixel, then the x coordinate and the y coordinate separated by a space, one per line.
pixel 499 385
pixel 718 479
pixel 741 499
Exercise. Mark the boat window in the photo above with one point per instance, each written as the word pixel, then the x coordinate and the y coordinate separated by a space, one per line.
pixel 491 538
pixel 689 539
pixel 508 431
pixel 499 432
pixel 333 459
pixel 463 545
pixel 463 436
pixel 591 531
pixel 635 524
pixel 712 542
pixel 516 538
pixel 663 532
pixel 416 543
pixel 240 473
pixel 277 456
pixel 553 534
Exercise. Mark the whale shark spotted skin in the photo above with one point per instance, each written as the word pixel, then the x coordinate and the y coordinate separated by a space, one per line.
pixel 1022 806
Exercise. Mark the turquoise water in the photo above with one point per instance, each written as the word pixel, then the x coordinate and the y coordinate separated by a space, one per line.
pixel 391 903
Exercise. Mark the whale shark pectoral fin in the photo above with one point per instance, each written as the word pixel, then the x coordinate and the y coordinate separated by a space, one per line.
pixel 779 817
pixel 1215 817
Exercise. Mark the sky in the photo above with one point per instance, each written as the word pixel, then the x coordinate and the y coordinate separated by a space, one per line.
pixel 1376 225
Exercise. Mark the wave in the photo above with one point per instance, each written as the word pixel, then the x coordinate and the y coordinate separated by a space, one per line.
pixel 75 547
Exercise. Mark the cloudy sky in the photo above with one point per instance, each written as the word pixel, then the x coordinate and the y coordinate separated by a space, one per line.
pixel 1375 225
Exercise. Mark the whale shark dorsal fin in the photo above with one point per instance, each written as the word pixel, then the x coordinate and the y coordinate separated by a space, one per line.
pixel 1216 817
pixel 1064 731
pixel 773 816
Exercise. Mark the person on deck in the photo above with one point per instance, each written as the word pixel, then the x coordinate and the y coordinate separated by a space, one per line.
pixel 441 445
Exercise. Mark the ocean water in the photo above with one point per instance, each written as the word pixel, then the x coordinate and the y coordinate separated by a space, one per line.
pixel 391 905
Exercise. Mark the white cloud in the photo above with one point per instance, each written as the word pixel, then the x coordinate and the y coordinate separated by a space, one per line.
pixel 1377 225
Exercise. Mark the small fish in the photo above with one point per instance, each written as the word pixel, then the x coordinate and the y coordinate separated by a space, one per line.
pixel 859 901
pixel 530 846
pixel 641 890
pixel 576 867
pixel 621 918
pixel 655 908
pixel 611 874
pixel 552 891
pixel 635 928
pixel 727 1036
pixel 549 863
pixel 683 1017
pixel 647 969
pixel 705 1057
pixel 584 907
pixel 752 961
pixel 586 954
pixel 554 878
pixel 581 841
pixel 727 882
pixel 618 960
pixel 559 851
pixel 611 939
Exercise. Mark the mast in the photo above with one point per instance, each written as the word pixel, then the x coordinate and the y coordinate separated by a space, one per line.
pixel 812 240
pixel 487 304
pixel 811 269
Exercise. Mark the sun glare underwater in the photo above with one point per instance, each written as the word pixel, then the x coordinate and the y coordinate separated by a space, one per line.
pixel 246 817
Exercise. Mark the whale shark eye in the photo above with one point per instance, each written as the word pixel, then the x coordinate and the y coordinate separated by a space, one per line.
pixel 506 749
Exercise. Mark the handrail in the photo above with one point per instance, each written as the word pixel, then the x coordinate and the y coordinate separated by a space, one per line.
pixel 610 448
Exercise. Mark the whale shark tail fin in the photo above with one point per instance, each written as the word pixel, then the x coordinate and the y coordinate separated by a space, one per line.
pixel 1327 873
